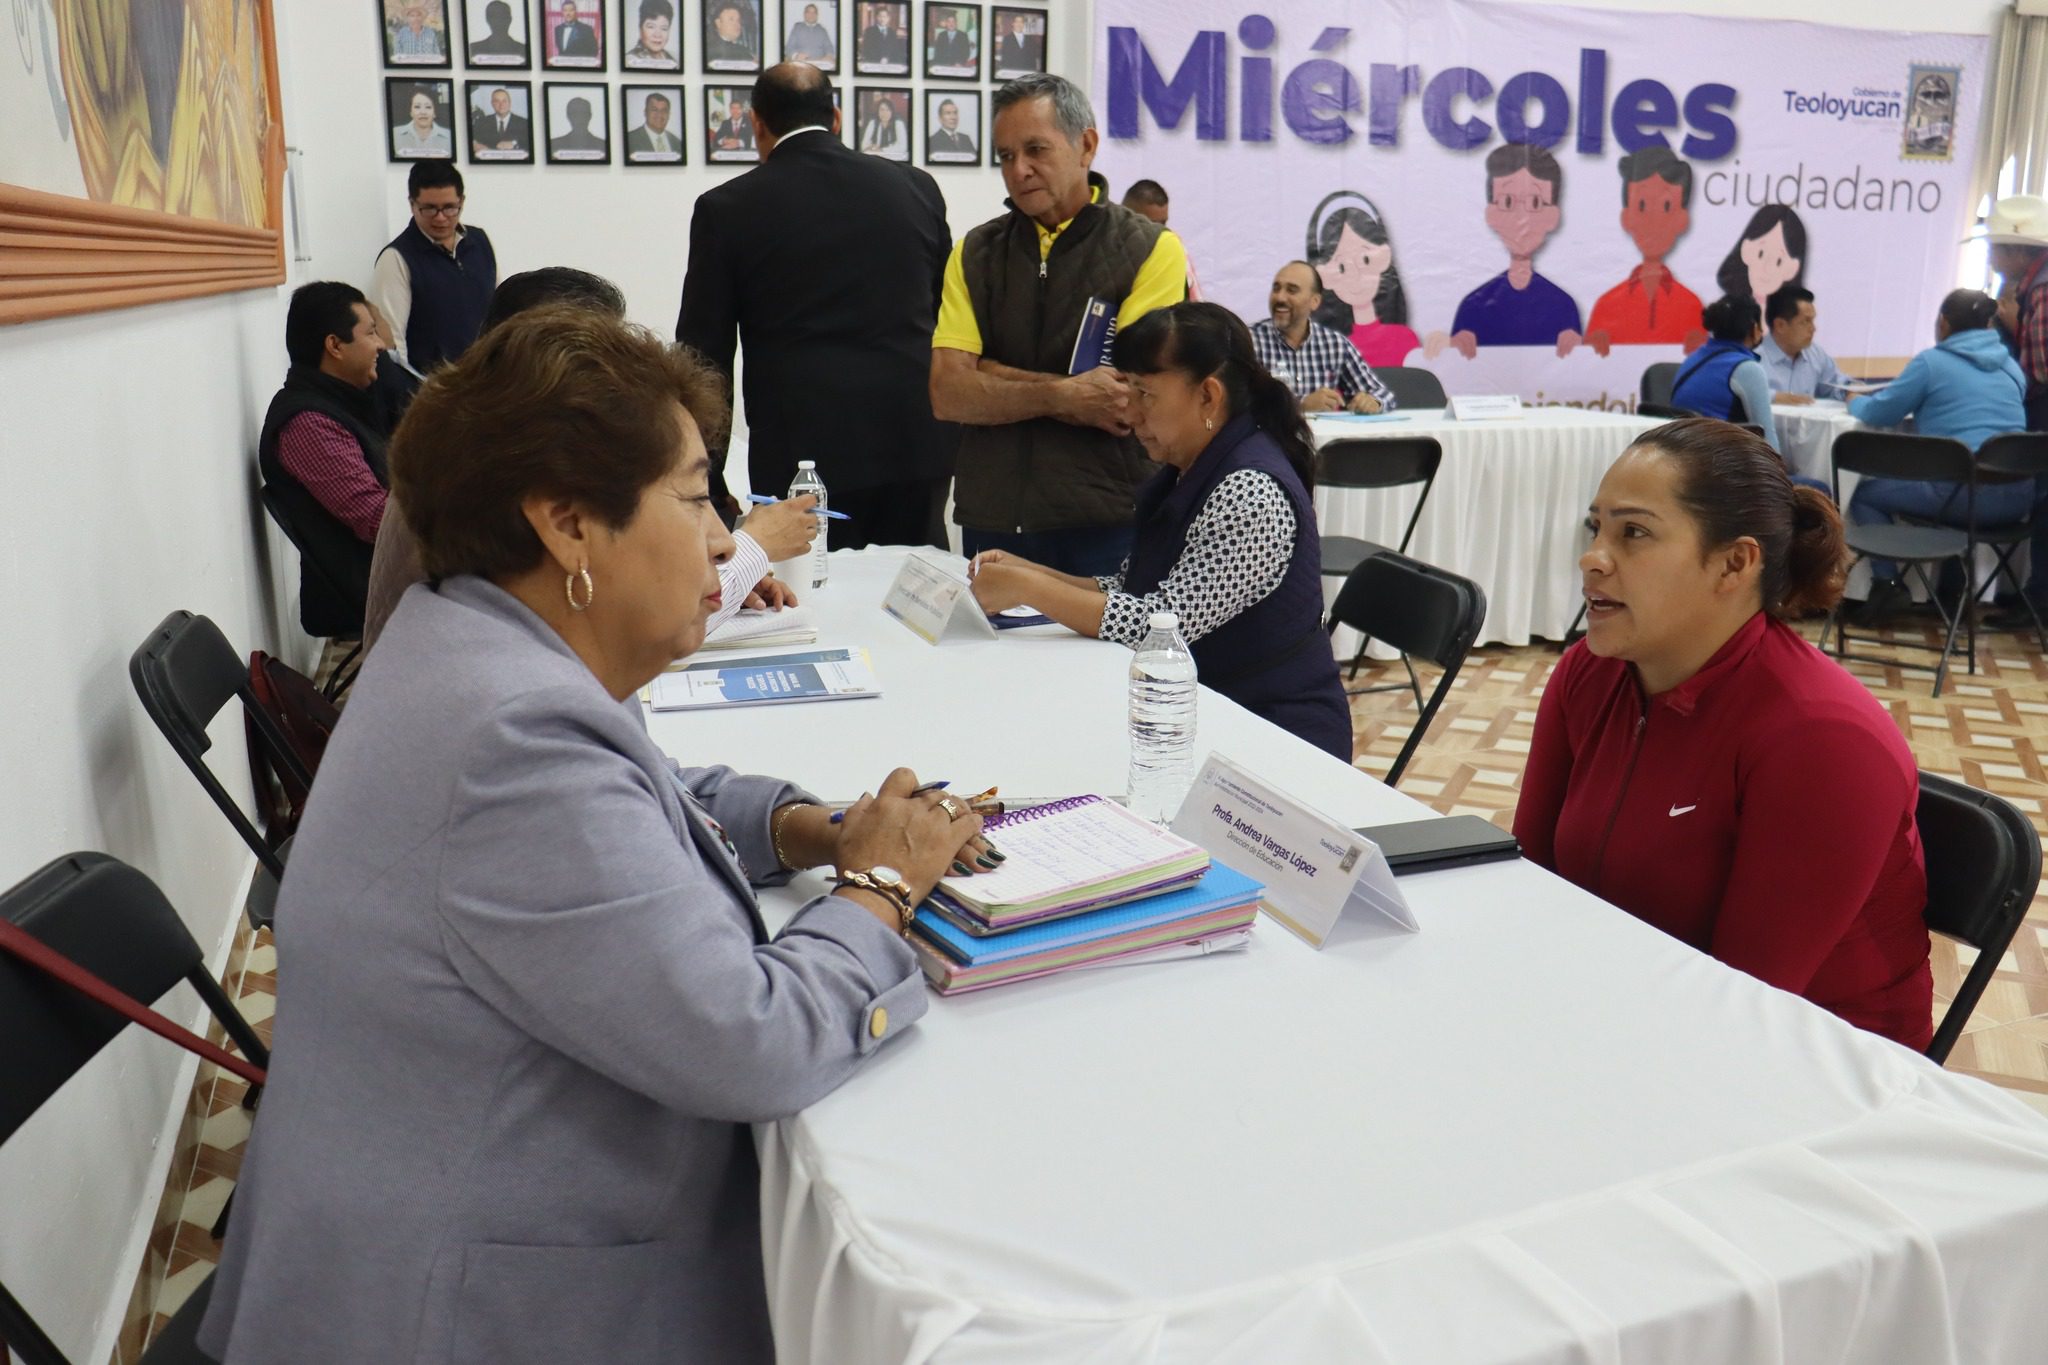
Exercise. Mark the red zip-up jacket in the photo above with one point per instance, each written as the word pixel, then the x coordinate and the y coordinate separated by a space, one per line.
pixel 1762 811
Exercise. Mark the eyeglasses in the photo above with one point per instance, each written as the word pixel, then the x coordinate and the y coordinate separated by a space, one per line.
pixel 438 210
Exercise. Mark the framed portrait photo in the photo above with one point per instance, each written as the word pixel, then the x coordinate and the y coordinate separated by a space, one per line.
pixel 810 33
pixel 1019 38
pixel 572 35
pixel 952 121
pixel 579 122
pixel 497 33
pixel 415 33
pixel 952 42
pixel 650 36
pixel 652 116
pixel 881 38
pixel 420 116
pixel 500 121
pixel 882 125
pixel 732 36
pixel 729 125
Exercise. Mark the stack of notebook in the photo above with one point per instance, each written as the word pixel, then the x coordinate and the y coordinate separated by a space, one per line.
pixel 1085 882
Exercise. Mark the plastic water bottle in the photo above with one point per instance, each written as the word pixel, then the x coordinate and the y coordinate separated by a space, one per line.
pixel 1162 721
pixel 807 481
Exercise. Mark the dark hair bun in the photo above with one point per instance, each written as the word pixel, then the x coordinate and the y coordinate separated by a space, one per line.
pixel 1817 564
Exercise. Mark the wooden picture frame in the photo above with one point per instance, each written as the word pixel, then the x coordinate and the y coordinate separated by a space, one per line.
pixel 952 54
pixel 203 216
pixel 574 141
pixel 633 101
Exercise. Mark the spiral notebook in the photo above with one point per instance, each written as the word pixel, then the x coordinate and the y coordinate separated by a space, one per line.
pixel 1079 854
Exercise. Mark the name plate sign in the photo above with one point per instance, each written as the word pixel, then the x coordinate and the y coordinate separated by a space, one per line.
pixel 1314 869
pixel 933 598
pixel 1483 407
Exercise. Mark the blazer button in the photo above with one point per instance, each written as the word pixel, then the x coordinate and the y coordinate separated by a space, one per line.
pixel 878 1022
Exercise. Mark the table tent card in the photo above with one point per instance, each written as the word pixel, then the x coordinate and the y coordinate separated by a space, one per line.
pixel 932 597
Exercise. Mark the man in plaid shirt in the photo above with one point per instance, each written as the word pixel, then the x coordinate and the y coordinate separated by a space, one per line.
pixel 2018 234
pixel 1319 363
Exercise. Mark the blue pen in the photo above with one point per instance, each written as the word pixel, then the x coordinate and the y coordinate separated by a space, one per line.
pixel 839 815
pixel 765 500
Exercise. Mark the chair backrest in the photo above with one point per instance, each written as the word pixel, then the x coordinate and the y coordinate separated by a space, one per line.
pixel 1663 410
pixel 1657 383
pixel 1892 455
pixel 2019 454
pixel 1983 865
pixel 1392 462
pixel 184 673
pixel 1413 388
pixel 1421 610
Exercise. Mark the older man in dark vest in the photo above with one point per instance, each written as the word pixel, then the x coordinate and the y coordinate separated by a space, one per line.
pixel 1048 468
pixel 434 282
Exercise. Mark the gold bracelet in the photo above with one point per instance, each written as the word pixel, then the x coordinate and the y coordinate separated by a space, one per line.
pixel 775 833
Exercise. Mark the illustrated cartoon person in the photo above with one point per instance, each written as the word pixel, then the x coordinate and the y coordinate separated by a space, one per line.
pixel 1651 307
pixel 1770 254
pixel 1524 185
pixel 1362 298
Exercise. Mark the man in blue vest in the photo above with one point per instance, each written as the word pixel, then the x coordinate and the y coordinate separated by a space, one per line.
pixel 434 282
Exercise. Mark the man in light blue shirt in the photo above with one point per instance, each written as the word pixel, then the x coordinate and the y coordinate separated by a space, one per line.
pixel 1798 370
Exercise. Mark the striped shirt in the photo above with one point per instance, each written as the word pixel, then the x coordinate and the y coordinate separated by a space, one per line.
pixel 1326 360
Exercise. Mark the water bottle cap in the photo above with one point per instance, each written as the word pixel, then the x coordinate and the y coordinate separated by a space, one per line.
pixel 806 464
pixel 1164 620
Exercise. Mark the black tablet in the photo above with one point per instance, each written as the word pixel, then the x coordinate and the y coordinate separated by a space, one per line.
pixel 1447 841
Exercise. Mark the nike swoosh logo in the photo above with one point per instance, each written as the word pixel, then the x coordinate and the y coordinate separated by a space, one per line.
pixel 1680 810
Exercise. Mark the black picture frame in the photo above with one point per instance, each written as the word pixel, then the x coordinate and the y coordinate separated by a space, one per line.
pixel 739 56
pixel 999 17
pixel 633 16
pixel 718 103
pixel 903 101
pixel 827 21
pixel 968 104
pixel 874 55
pixel 938 66
pixel 479 114
pixel 556 99
pixel 393 28
pixel 497 49
pixel 632 105
pixel 398 96
pixel 589 16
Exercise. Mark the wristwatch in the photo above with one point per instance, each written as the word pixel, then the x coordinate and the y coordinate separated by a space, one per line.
pixel 887 883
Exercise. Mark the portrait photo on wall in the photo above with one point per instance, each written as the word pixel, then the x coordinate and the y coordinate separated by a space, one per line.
pixel 500 121
pixel 881 41
pixel 953 121
pixel 495 33
pixel 650 39
pixel 415 32
pixel 652 116
pixel 572 35
pixel 1020 41
pixel 881 121
pixel 729 124
pixel 811 33
pixel 421 117
pixel 579 122
pixel 732 35
pixel 952 42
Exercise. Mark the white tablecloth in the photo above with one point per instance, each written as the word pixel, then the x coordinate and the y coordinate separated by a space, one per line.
pixel 1537 1131
pixel 1807 432
pixel 1509 499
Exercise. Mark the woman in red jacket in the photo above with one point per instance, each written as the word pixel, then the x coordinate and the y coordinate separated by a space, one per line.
pixel 1701 766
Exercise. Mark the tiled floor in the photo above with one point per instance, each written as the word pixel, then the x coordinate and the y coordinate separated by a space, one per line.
pixel 1990 730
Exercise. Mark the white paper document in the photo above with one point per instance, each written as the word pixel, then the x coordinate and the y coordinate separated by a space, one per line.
pixel 767 679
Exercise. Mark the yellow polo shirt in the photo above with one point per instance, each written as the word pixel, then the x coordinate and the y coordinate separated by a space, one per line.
pixel 1162 282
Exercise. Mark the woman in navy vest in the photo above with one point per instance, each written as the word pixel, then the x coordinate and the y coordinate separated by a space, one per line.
pixel 1226 534
pixel 1728 368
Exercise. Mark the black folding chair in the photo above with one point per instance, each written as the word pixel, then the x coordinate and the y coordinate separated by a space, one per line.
pixel 113 921
pixel 1366 462
pixel 1420 610
pixel 1983 866
pixel 1890 455
pixel 2018 455
pixel 185 672
pixel 1413 388
pixel 1656 384
pixel 1663 410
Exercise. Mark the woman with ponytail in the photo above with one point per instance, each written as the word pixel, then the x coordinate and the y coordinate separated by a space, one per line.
pixel 1226 534
pixel 1701 766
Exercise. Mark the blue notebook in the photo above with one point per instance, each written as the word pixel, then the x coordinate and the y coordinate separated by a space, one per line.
pixel 1220 887
pixel 1097 336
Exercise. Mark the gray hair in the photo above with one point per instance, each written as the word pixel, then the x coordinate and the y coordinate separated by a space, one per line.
pixel 1070 107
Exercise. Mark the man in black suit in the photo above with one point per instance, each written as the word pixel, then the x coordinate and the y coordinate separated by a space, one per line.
pixel 573 37
pixel 826 266
pixel 652 135
pixel 950 47
pixel 947 137
pixel 1017 51
pixel 736 133
pixel 880 43
pixel 501 130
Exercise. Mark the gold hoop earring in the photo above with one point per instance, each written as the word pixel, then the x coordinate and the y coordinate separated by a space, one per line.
pixel 589 589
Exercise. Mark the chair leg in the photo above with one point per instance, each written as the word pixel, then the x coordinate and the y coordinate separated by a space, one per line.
pixel 1414 683
pixel 1948 643
pixel 1358 659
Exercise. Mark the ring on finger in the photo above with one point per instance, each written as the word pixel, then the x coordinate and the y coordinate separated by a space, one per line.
pixel 951 807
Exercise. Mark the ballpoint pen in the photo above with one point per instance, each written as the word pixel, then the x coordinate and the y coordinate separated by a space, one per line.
pixel 764 500
pixel 840 815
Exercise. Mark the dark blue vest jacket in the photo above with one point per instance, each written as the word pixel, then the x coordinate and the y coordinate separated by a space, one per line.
pixel 450 294
pixel 1273 658
pixel 1702 381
